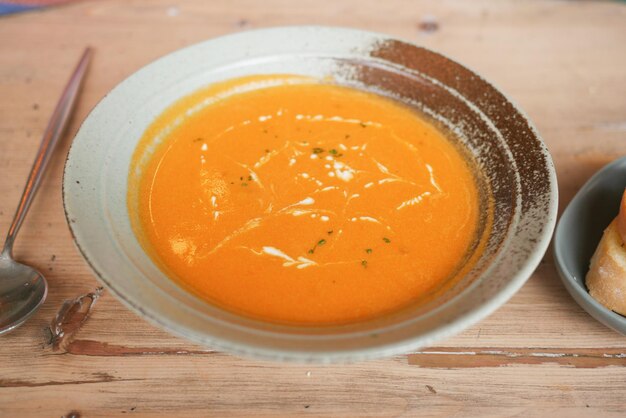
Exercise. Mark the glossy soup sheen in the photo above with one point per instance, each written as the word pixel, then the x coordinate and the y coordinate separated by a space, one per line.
pixel 295 201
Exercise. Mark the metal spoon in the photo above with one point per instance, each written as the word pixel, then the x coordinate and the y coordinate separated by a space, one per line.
pixel 22 288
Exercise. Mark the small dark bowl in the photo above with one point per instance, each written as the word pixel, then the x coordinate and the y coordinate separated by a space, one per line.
pixel 578 234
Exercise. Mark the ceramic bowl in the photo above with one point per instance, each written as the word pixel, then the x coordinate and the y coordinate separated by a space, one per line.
pixel 579 231
pixel 518 171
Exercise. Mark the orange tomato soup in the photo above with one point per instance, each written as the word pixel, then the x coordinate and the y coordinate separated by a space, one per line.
pixel 294 201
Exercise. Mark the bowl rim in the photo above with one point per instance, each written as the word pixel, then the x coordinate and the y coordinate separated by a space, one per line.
pixel 578 291
pixel 513 284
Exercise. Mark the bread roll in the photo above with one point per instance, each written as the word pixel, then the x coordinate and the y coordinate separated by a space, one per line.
pixel 606 279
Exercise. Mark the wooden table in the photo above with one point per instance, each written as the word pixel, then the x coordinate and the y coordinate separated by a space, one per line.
pixel 539 355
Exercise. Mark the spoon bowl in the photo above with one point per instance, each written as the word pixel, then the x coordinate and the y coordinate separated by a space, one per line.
pixel 22 290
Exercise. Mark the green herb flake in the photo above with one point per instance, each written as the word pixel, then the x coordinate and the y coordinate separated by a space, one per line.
pixel 244 184
pixel 319 244
pixel 249 178
pixel 317 150
pixel 387 240
pixel 330 232
pixel 333 151
pixel 368 250
pixel 364 263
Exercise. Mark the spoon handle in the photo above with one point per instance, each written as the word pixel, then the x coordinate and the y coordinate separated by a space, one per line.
pixel 56 126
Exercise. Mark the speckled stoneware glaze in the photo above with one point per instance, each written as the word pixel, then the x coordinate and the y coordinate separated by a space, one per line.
pixel 516 166
pixel 579 231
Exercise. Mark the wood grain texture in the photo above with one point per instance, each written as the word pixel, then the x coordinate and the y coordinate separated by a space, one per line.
pixel 539 355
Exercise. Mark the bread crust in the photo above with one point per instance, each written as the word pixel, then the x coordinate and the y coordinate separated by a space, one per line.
pixel 606 279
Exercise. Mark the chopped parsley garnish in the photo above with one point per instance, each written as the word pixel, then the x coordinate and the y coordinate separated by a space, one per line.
pixel 244 184
pixel 317 150
pixel 333 151
pixel 330 232
pixel 364 263
pixel 368 250
pixel 249 178
pixel 319 244
pixel 387 240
